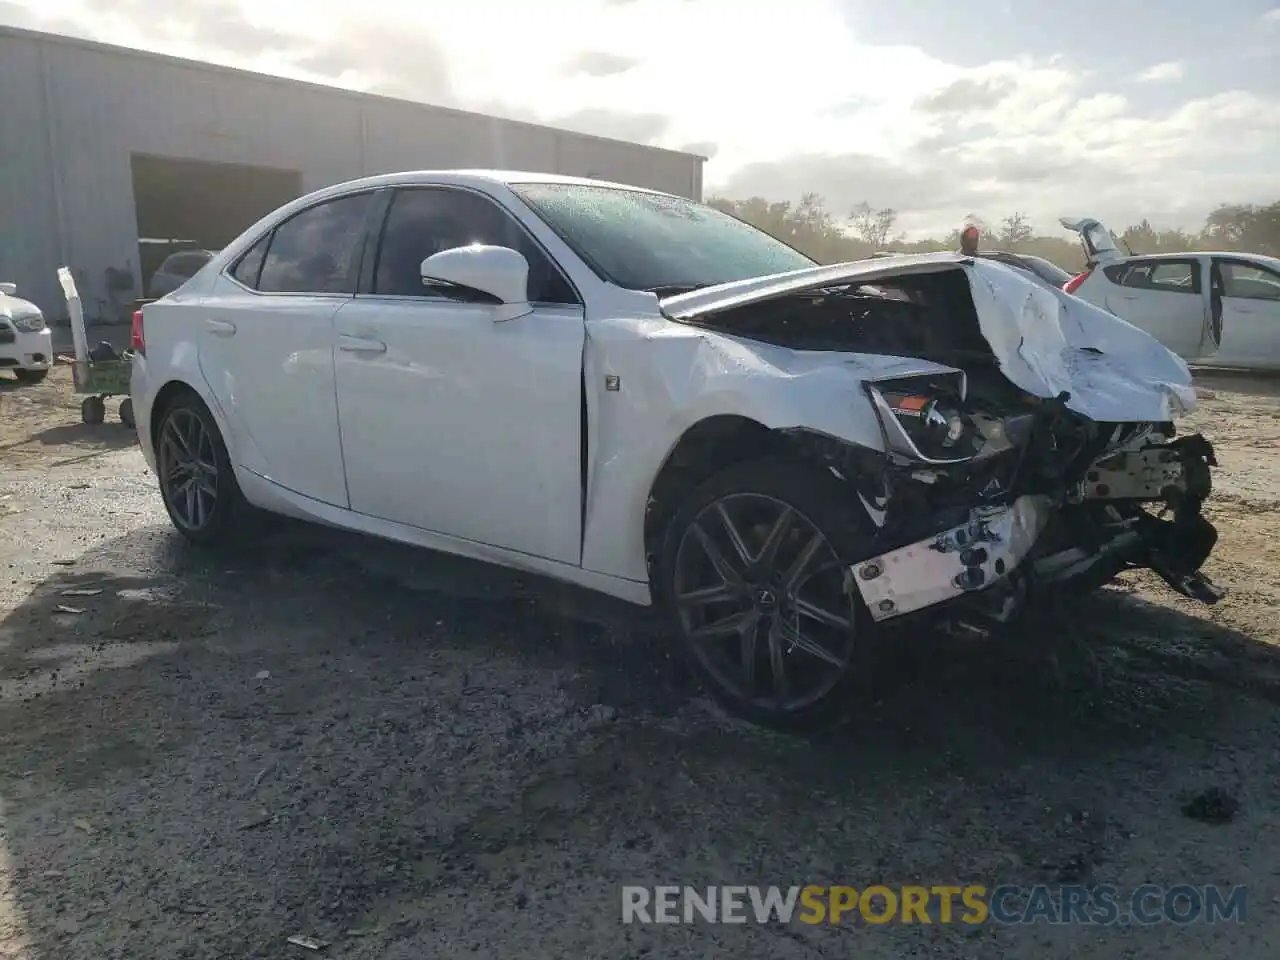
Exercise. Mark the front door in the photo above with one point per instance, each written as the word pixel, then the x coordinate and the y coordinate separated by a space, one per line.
pixel 454 421
pixel 266 347
pixel 1250 314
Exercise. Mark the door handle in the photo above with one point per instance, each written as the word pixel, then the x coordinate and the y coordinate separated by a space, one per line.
pixel 220 328
pixel 361 344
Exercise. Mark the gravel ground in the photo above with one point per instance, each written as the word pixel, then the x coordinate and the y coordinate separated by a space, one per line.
pixel 412 756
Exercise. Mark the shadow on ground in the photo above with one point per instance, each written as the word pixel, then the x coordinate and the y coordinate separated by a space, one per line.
pixel 318 733
pixel 1238 381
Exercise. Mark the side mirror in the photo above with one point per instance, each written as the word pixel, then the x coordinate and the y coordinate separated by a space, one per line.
pixel 8 289
pixel 500 272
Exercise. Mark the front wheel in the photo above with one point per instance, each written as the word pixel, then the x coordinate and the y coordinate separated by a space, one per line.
pixel 753 575
pixel 30 376
pixel 197 481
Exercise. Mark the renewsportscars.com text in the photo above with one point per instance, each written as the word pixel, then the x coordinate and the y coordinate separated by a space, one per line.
pixel 971 904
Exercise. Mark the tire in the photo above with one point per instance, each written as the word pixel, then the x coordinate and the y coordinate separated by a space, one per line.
pixel 816 504
pixel 30 376
pixel 204 511
pixel 92 410
pixel 126 412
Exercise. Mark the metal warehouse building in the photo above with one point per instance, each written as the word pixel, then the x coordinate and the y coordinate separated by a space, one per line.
pixel 111 158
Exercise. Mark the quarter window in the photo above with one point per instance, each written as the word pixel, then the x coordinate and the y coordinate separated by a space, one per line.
pixel 250 264
pixel 426 221
pixel 317 250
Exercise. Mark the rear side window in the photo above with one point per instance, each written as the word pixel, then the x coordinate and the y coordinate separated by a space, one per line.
pixel 250 265
pixel 316 251
pixel 1168 276
pixel 426 220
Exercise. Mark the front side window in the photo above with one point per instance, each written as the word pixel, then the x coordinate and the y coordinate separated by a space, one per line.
pixel 647 241
pixel 1250 282
pixel 316 250
pixel 427 220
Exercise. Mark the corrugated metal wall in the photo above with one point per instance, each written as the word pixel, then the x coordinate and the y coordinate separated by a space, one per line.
pixel 73 112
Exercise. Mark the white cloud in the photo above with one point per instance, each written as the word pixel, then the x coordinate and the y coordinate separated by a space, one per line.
pixel 1162 72
pixel 785 98
pixel 1272 16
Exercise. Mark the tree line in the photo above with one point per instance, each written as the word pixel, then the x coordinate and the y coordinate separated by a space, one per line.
pixel 828 238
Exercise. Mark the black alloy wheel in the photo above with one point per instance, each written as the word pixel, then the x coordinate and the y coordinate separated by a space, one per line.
pixel 196 480
pixel 760 589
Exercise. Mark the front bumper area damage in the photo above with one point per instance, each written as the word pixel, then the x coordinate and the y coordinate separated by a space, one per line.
pixel 981 527
pixel 977 554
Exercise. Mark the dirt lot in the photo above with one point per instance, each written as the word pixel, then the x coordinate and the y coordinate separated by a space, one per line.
pixel 410 756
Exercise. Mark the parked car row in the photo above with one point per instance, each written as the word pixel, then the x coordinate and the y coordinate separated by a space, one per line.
pixel 647 397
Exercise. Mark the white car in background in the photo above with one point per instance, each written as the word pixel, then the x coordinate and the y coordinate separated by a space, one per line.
pixel 1212 309
pixel 176 270
pixel 647 397
pixel 26 345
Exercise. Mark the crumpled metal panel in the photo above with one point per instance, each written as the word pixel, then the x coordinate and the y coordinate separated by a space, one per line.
pixel 1046 341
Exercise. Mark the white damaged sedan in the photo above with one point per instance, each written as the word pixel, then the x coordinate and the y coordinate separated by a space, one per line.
pixel 644 396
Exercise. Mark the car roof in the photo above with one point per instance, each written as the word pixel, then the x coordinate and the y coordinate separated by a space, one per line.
pixel 1273 262
pixel 479 178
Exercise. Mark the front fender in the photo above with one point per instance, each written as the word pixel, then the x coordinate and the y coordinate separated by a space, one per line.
pixel 647 384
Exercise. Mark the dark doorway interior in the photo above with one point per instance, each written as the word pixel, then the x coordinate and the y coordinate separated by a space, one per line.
pixel 195 204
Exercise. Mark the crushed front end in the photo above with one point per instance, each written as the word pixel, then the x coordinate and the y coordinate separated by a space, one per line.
pixel 987 499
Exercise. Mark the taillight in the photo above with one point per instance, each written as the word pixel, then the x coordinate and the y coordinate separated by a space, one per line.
pixel 137 339
pixel 1072 285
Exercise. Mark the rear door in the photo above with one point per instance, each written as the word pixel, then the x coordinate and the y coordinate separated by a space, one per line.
pixel 1168 298
pixel 1250 313
pixel 266 346
pixel 1100 244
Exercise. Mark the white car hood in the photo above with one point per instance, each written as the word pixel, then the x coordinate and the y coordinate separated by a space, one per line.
pixel 1047 342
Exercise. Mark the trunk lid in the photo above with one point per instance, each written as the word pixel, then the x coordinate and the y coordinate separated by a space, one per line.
pixel 1100 244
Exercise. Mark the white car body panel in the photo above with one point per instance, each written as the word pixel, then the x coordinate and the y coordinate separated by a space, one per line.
pixel 463 434
pixel 268 361
pixel 31 337
pixel 470 412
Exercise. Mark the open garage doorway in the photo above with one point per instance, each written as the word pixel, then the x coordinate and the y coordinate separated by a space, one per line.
pixel 199 205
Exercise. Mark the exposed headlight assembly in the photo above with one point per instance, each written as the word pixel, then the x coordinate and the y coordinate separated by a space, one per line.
pixel 920 423
pixel 30 323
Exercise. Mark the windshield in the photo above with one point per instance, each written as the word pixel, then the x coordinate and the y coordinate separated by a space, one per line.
pixel 647 241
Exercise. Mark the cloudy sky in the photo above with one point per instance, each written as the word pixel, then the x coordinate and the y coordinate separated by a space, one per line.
pixel 937 108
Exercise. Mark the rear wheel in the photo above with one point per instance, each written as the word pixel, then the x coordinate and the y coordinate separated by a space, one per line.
pixel 197 481
pixel 30 376
pixel 753 575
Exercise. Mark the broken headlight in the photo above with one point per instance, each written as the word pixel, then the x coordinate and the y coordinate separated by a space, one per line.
pixel 922 419
pixel 937 430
